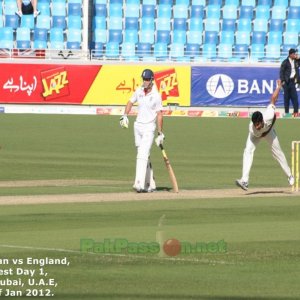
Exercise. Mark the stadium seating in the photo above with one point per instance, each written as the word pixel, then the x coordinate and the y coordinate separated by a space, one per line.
pixel 23 38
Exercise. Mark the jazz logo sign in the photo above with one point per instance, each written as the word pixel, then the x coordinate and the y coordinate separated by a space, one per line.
pixel 167 84
pixel 55 83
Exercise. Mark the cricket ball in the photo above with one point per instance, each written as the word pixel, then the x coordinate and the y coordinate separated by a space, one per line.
pixel 172 247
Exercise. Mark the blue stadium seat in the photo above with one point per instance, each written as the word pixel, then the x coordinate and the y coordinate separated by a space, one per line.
pixel 285 50
pixel 39 44
pixel 59 22
pixel 196 24
pixel 180 11
pixel 276 25
pixel 229 12
pixel 148 11
pixel 192 50
pixel 183 2
pixel 163 36
pixel 75 22
pixel 58 9
pixel 160 51
pixel 98 22
pixel 227 37
pixel 163 24
pixel 197 11
pixel 194 37
pixel 258 37
pixel 100 36
pixel 249 2
pixel 6 37
pixel 115 36
pixel 43 21
pixel 75 1
pixel 131 23
pixel 100 10
pixel 27 21
pixel 115 10
pixel 143 50
pixel 115 23
pixel 74 39
pixel 168 2
pixel 291 38
pixel 128 51
pixel 211 37
pixel 177 51
pixel 284 3
pixel 11 21
pixel 58 1
pixel 97 50
pixel 212 25
pixel 260 25
pixel 164 11
pixel 228 25
pixel 233 2
pixel 74 9
pixel 224 51
pixel 1 21
pixel 56 45
pixel 209 51
pixel 112 50
pixel 44 8
pixel 56 35
pixel 10 7
pixel 132 10
pixel 149 2
pixel 179 24
pixel 244 25
pixel 275 38
pixel 213 11
pixel 272 52
pixel 214 2
pixel 262 12
pixel 294 2
pixel 147 24
pixel 240 51
pixel 40 34
pixel 242 38
pixel 257 52
pixel 179 37
pixel 294 12
pixel 132 1
pixel 279 12
pixel 23 38
pixel 264 2
pixel 292 25
pixel 130 36
pixel 146 36
pixel 246 12
pixel 199 2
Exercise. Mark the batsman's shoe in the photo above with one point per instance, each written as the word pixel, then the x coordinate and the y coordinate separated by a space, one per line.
pixel 242 184
pixel 291 180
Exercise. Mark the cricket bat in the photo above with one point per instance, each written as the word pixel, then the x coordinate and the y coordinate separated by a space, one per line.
pixel 170 169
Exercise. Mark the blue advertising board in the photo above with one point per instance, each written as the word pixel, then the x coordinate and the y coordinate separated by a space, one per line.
pixel 234 86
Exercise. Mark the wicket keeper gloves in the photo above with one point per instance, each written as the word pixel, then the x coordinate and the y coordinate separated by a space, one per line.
pixel 160 139
pixel 124 122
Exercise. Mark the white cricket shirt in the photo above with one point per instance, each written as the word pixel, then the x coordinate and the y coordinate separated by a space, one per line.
pixel 148 105
pixel 268 117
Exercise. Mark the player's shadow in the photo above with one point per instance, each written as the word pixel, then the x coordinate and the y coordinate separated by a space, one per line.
pixel 163 189
pixel 267 192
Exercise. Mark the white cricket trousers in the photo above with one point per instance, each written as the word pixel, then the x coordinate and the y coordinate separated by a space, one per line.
pixel 144 136
pixel 277 153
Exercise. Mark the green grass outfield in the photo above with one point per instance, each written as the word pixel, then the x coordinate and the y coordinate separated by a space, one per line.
pixel 262 234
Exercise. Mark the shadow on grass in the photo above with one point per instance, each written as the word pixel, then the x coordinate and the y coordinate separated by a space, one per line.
pixel 266 192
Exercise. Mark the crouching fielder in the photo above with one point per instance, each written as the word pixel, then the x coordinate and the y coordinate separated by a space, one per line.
pixel 148 117
pixel 262 127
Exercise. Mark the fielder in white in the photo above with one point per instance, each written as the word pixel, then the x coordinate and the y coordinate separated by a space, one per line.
pixel 262 127
pixel 149 116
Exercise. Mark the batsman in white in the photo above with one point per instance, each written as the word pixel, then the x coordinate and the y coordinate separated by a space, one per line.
pixel 262 127
pixel 149 117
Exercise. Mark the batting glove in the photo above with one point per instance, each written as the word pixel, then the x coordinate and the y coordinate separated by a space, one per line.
pixel 160 139
pixel 124 122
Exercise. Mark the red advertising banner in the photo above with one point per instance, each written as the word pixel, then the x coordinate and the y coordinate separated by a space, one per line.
pixel 45 83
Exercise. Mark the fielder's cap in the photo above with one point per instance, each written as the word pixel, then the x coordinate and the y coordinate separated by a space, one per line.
pixel 147 74
pixel 292 51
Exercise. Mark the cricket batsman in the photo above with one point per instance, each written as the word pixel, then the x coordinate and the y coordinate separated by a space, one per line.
pixel 262 127
pixel 149 117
